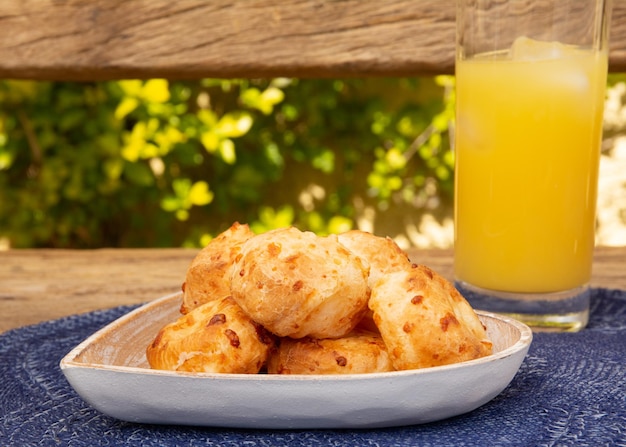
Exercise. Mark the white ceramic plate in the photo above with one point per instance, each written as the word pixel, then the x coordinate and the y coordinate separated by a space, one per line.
pixel 110 371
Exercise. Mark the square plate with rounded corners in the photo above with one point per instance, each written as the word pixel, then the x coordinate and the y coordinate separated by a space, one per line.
pixel 109 370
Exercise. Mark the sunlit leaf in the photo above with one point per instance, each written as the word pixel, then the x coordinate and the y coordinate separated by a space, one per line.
pixel 205 239
pixel 270 218
pixel 5 160
pixel 132 150
pixel 272 95
pixel 182 215
pixel 325 161
pixel 442 172
pixel 405 126
pixel 170 203
pixel 135 140
pixel 282 82
pixel 435 141
pixel 339 224
pixel 167 138
pixel 396 159
pixel 156 90
pixel 445 80
pixel 316 223
pixel 131 87
pixel 227 151
pixel 394 183
pixel 199 194
pixel 262 101
pixel 234 124
pixel 207 117
pixel 210 140
pixel 441 122
pixel 126 106
pixel 113 168
pixel 448 158
pixel 375 180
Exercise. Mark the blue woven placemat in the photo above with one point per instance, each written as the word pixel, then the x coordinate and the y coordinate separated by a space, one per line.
pixel 570 390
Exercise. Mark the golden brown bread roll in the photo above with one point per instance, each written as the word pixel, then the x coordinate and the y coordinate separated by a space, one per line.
pixel 214 337
pixel 383 256
pixel 425 321
pixel 381 253
pixel 208 276
pixel 298 284
pixel 357 353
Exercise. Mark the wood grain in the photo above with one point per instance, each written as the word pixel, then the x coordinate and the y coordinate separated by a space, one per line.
pixel 40 285
pixel 116 39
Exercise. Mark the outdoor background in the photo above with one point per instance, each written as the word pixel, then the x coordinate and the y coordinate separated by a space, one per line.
pixel 158 164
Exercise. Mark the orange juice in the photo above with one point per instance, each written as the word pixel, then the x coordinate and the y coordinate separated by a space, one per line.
pixel 527 151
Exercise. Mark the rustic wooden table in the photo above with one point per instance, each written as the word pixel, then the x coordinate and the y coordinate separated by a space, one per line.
pixel 39 285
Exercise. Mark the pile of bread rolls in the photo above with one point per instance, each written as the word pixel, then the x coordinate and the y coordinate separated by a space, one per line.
pixel 292 302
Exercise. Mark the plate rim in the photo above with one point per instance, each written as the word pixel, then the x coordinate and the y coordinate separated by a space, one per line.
pixel 69 362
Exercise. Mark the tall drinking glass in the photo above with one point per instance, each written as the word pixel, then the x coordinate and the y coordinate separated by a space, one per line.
pixel 530 79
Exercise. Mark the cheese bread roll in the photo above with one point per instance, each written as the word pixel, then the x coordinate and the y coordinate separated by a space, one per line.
pixel 424 321
pixel 381 253
pixel 383 256
pixel 298 284
pixel 359 352
pixel 214 337
pixel 208 276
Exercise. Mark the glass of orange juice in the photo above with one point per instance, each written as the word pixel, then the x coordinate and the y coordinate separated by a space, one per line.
pixel 530 87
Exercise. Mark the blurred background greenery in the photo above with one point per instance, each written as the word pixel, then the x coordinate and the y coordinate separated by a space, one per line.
pixel 156 163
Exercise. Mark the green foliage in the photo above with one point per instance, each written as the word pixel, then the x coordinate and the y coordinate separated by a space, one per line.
pixel 158 163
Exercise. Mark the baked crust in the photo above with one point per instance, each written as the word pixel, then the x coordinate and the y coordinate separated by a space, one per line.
pixel 359 352
pixel 425 321
pixel 298 284
pixel 215 337
pixel 208 276
pixel 381 253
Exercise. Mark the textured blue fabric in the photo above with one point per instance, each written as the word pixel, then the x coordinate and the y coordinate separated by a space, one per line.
pixel 570 390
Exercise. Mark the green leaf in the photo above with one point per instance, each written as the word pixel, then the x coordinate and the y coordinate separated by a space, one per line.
pixel 325 161
pixel 181 187
pixel 270 219
pixel 182 215
pixel 113 168
pixel 207 117
pixel 139 174
pixel 170 203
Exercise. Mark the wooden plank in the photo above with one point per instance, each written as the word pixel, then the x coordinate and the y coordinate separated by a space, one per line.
pixel 114 39
pixel 39 285
pixel 107 39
